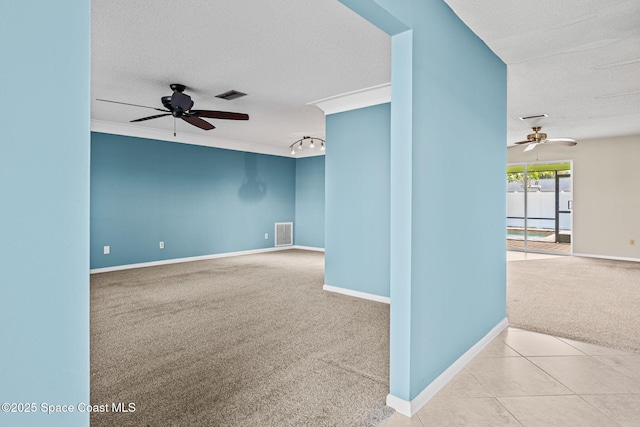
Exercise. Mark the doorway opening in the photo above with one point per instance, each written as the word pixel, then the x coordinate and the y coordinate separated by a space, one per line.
pixel 540 207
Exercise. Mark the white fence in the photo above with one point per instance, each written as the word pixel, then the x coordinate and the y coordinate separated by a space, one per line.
pixel 540 204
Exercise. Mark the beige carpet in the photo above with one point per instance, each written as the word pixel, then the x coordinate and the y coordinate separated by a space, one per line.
pixel 584 299
pixel 243 341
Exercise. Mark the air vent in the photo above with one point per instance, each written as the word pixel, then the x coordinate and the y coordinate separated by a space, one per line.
pixel 229 95
pixel 538 116
pixel 284 233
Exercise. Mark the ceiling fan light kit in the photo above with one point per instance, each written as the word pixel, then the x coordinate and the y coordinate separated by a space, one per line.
pixel 179 105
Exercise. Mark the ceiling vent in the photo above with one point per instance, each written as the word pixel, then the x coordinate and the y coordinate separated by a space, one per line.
pixel 537 116
pixel 229 95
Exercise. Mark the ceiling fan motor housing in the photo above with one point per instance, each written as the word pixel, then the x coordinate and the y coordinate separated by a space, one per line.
pixel 537 135
pixel 180 103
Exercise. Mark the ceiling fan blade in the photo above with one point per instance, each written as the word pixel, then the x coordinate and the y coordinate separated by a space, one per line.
pixel 150 117
pixel 133 105
pixel 531 147
pixel 523 142
pixel 220 114
pixel 198 122
pixel 562 141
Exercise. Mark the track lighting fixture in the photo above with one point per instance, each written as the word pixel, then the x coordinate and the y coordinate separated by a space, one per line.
pixel 312 143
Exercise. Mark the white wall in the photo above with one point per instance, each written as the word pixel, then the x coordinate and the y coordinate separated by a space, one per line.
pixel 606 193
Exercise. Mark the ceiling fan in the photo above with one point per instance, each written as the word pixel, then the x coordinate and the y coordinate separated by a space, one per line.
pixel 179 106
pixel 536 138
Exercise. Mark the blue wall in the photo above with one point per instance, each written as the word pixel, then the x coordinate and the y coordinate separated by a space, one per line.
pixel 448 131
pixel 309 224
pixel 197 200
pixel 44 218
pixel 357 200
pixel 458 254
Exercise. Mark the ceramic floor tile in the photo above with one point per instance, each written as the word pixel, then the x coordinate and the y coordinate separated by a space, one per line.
pixel 462 385
pixel 514 376
pixel 626 365
pixel 466 412
pixel 534 344
pixel 524 256
pixel 533 411
pixel 586 375
pixel 596 350
pixel 497 348
pixel 398 420
pixel 623 408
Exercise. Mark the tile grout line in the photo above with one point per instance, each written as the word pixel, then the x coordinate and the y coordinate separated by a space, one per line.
pixel 598 409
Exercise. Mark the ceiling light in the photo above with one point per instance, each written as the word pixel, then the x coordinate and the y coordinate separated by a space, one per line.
pixel 299 143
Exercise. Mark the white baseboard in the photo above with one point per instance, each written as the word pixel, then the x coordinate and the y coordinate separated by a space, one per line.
pixel 614 258
pixel 408 408
pixel 189 259
pixel 307 248
pixel 357 294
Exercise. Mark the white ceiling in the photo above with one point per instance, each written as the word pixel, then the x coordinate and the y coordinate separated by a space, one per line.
pixel 576 60
pixel 282 53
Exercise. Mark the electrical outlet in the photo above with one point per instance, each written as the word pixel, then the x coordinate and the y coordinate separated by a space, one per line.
pixel 266 236
pixel 107 250
pixel 161 245
pixel 632 242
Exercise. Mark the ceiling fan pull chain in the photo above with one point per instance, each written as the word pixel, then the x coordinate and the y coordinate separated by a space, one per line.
pixel 174 126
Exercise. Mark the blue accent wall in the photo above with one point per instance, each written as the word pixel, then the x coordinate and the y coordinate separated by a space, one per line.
pixel 448 131
pixel 458 253
pixel 44 213
pixel 309 224
pixel 357 200
pixel 197 200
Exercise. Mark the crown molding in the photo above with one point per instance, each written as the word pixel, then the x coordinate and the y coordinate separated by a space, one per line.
pixel 362 98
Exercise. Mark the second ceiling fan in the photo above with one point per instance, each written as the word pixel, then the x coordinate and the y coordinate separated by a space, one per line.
pixel 536 138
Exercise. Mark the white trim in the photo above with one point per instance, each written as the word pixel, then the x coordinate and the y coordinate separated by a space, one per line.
pixel 308 248
pixel 353 100
pixel 356 294
pixel 186 138
pixel 613 258
pixel 409 408
pixel 189 259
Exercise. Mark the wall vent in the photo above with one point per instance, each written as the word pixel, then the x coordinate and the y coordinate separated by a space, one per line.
pixel 284 233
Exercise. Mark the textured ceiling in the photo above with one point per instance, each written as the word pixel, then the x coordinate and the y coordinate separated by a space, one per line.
pixel 576 60
pixel 282 53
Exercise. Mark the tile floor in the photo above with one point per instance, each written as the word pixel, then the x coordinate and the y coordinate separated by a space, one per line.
pixel 524 378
